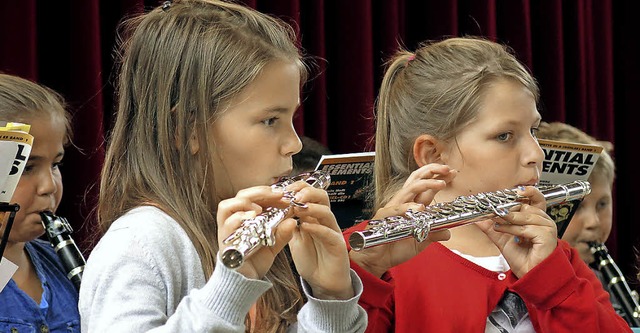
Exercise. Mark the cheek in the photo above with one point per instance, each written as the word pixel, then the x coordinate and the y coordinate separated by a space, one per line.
pixel 23 194
pixel 573 230
pixel 606 222
pixel 60 189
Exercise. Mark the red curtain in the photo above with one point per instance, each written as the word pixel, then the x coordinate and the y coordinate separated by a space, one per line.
pixel 583 53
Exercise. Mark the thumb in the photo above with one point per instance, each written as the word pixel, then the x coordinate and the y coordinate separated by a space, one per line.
pixel 283 233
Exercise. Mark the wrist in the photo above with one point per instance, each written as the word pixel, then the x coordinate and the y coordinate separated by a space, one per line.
pixel 370 266
pixel 343 294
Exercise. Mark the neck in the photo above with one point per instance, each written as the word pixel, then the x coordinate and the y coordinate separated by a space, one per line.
pixel 469 239
pixel 25 277
pixel 16 253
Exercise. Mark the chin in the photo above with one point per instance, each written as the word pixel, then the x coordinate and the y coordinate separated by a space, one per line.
pixel 588 258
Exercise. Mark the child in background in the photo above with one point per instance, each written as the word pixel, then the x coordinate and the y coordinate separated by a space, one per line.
pixel 39 297
pixel 593 219
pixel 207 94
pixel 459 117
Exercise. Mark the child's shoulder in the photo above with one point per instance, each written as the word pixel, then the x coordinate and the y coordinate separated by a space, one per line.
pixel 148 221
pixel 146 228
pixel 145 234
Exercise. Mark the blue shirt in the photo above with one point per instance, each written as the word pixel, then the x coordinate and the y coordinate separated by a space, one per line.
pixel 58 309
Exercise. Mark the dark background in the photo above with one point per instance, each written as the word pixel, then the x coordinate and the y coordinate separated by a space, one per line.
pixel 584 53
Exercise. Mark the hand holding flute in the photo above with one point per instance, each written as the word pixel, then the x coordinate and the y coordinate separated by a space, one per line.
pixel 317 247
pixel 526 235
pixel 418 190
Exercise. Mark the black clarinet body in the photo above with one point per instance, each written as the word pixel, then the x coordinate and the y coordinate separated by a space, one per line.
pixel 616 283
pixel 58 231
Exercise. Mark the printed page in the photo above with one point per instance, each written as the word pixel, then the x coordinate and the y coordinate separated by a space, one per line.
pixel 351 189
pixel 7 269
pixel 565 162
pixel 15 147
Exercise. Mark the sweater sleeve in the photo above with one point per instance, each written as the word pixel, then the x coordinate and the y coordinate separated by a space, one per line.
pixel 333 315
pixel 567 296
pixel 377 300
pixel 125 288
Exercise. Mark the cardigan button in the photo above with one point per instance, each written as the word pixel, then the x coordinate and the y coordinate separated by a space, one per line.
pixel 502 276
pixel 44 329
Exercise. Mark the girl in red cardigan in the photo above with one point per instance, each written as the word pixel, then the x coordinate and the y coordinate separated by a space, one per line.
pixel 459 117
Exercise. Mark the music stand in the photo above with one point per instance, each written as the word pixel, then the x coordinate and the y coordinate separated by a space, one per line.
pixel 12 209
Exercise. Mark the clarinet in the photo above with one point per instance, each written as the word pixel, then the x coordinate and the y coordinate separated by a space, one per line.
pixel 616 283
pixel 58 232
pixel 259 231
pixel 461 211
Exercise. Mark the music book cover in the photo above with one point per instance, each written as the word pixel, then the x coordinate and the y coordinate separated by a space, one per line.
pixel 351 189
pixel 566 162
pixel 15 147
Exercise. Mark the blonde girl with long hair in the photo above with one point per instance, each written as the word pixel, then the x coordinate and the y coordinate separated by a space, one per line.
pixel 207 93
pixel 459 117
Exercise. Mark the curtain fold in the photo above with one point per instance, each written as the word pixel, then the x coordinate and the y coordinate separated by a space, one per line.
pixel 587 69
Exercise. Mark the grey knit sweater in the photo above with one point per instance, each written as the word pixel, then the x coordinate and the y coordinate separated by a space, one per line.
pixel 145 275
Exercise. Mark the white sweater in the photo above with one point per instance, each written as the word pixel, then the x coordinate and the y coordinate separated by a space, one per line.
pixel 145 275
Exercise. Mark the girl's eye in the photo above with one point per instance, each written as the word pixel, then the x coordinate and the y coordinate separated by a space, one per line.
pixel 270 122
pixel 504 137
pixel 601 204
pixel 534 131
pixel 27 169
pixel 57 165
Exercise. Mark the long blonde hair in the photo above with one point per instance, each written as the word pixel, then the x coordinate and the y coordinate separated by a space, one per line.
pixel 437 91
pixel 181 64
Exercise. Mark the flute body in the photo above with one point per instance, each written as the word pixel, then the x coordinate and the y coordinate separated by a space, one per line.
pixel 463 210
pixel 616 283
pixel 259 231
pixel 58 231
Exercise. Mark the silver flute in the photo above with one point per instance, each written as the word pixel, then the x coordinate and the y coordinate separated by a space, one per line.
pixel 462 210
pixel 259 231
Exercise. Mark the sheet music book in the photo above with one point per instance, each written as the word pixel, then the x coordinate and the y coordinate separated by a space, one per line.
pixel 351 189
pixel 565 162
pixel 15 147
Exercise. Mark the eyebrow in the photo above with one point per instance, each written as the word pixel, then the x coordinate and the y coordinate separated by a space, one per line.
pixel 280 109
pixel 515 122
pixel 38 158
pixel 277 109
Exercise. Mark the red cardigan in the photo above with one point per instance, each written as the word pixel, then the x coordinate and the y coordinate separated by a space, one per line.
pixel 439 291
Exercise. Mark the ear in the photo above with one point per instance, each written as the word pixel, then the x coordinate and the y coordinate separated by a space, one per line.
pixel 428 149
pixel 194 144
